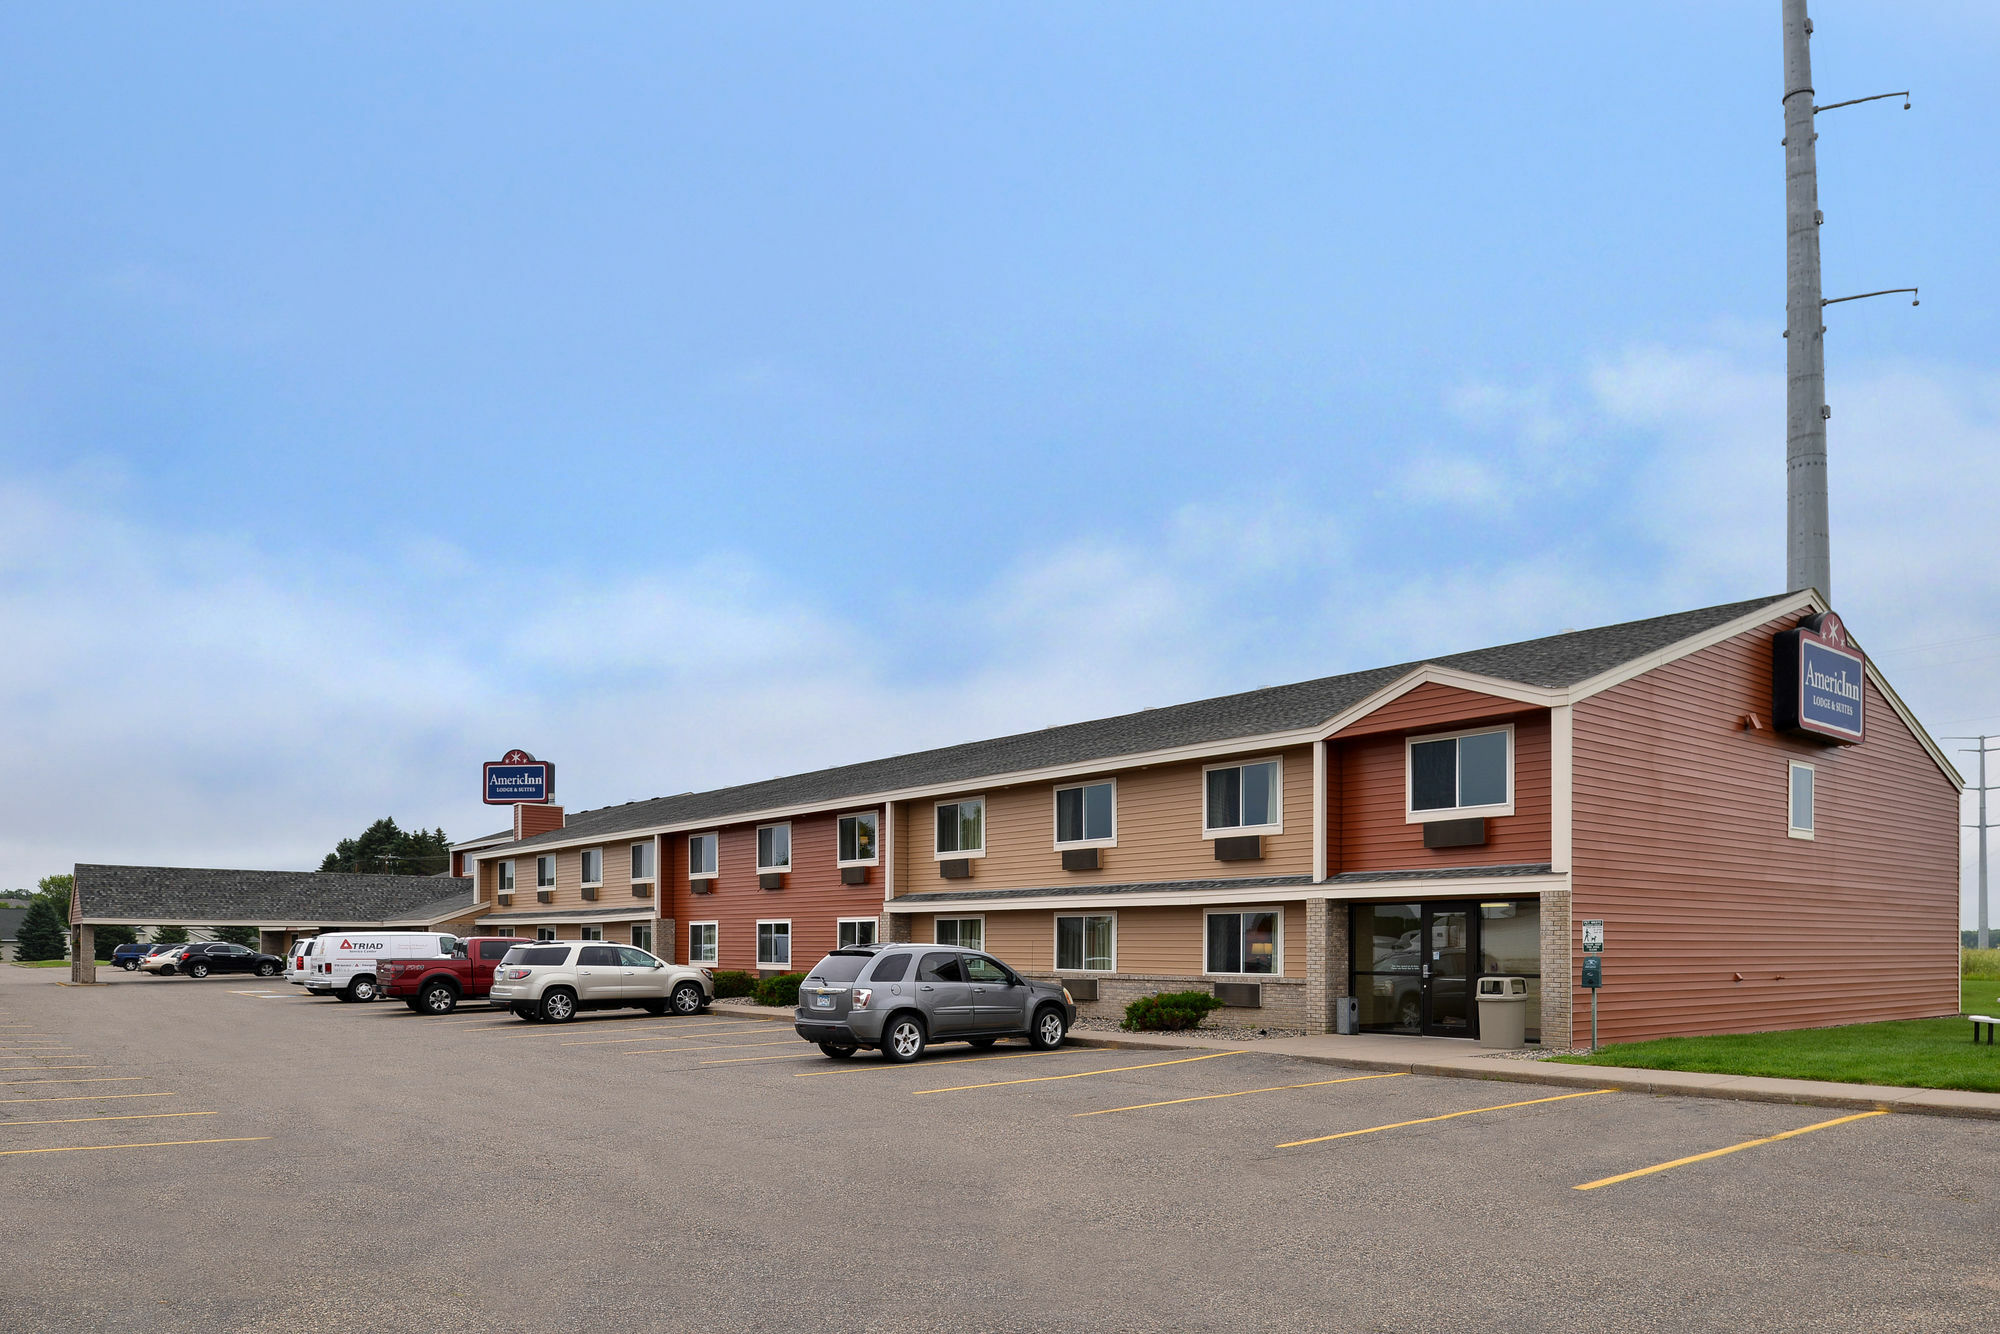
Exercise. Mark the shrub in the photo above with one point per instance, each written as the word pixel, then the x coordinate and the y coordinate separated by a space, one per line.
pixel 782 990
pixel 734 983
pixel 1170 1011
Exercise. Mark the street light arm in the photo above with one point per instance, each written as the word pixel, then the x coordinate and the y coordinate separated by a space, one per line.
pixel 1863 296
pixel 1857 101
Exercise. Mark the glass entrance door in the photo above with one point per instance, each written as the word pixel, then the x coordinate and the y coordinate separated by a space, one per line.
pixel 1449 955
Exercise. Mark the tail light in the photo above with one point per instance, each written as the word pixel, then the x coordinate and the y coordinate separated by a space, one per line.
pixel 862 995
pixel 512 974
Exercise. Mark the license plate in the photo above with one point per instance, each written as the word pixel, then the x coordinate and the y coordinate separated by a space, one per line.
pixel 822 1002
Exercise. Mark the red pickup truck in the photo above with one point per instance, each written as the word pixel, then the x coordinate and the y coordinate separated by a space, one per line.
pixel 436 986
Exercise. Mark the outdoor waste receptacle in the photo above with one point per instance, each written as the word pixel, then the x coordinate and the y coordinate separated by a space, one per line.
pixel 1503 1011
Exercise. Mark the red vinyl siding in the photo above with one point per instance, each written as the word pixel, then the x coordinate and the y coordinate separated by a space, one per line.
pixel 813 899
pixel 1680 846
pixel 1368 828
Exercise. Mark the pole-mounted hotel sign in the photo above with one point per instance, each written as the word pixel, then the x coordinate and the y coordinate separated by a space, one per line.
pixel 519 779
pixel 1817 680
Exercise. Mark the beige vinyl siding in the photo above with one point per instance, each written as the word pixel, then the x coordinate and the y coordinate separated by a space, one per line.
pixel 1159 833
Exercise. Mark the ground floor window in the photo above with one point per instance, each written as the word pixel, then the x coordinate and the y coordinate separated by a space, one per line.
pixel 968 933
pixel 774 944
pixel 701 942
pixel 1414 967
pixel 642 934
pixel 503 930
pixel 1242 942
pixel 856 931
pixel 545 933
pixel 593 933
pixel 1087 944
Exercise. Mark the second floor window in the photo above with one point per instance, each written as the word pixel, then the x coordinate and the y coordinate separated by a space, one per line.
pixel 961 827
pixel 701 856
pixel 642 860
pixel 774 847
pixel 1086 815
pixel 857 839
pixel 545 872
pixel 1471 771
pixel 506 877
pixel 1243 796
pixel 593 866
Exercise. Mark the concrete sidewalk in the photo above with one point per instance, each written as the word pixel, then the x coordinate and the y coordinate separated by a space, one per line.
pixel 1459 1059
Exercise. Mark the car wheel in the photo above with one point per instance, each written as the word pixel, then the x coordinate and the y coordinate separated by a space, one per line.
pixel 129 966
pixel 836 1051
pixel 342 997
pixel 267 970
pixel 984 1043
pixel 656 1008
pixel 905 1039
pixel 1050 1029
pixel 687 998
pixel 412 1006
pixel 438 998
pixel 198 971
pixel 362 989
pixel 558 1006
pixel 524 1012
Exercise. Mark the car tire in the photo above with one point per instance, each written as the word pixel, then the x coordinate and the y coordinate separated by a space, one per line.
pixel 904 1039
pixel 984 1043
pixel 526 1012
pixel 1048 1030
pixel 437 998
pixel 558 1006
pixel 267 970
pixel 342 997
pixel 412 1006
pixel 836 1051
pixel 198 971
pixel 362 990
pixel 686 999
pixel 129 966
pixel 656 1008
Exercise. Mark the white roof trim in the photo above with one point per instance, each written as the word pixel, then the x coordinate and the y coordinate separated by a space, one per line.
pixel 1468 887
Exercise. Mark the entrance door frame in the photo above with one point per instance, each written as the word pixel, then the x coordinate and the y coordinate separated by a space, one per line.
pixel 1470 909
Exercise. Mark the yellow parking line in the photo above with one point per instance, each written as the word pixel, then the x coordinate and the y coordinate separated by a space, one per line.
pixel 162 1144
pixel 91 1097
pixel 1244 1093
pixel 129 1116
pixel 925 1065
pixel 704 1046
pixel 745 1060
pixel 1426 1120
pixel 1734 1148
pixel 96 1079
pixel 1081 1074
pixel 4 1068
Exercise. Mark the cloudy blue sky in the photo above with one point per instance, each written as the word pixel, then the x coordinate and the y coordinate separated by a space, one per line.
pixel 690 394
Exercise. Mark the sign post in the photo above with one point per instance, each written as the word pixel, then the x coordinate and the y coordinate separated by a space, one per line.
pixel 1593 968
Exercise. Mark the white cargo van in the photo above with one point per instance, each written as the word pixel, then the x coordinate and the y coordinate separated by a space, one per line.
pixel 343 964
pixel 299 961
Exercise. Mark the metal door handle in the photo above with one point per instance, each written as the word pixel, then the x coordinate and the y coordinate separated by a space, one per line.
pixel 928 987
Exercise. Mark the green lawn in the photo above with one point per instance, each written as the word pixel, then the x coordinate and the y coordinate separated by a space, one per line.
pixel 42 963
pixel 1914 1053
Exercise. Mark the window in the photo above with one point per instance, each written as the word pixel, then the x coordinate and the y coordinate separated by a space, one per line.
pixel 979 968
pixel 701 855
pixel 1801 801
pixel 493 951
pixel 1087 816
pixel 856 931
pixel 961 828
pixel 1087 944
pixel 538 958
pixel 774 944
pixel 506 877
pixel 632 958
pixel 501 931
pixel 1243 798
pixel 591 933
pixel 892 967
pixel 1471 773
pixel 642 936
pixel 593 866
pixel 965 932
pixel 940 967
pixel 774 848
pixel 598 956
pixel 545 872
pixel 545 933
pixel 857 840
pixel 1242 942
pixel 701 942
pixel 642 861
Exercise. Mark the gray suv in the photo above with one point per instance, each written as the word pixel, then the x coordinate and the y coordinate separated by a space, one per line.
pixel 900 998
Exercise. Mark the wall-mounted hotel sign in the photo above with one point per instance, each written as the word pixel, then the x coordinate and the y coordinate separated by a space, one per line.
pixel 519 779
pixel 1817 681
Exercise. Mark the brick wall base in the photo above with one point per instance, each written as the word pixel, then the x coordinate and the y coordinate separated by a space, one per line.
pixel 1557 979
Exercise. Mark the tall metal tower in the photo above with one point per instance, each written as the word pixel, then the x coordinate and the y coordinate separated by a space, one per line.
pixel 1807 561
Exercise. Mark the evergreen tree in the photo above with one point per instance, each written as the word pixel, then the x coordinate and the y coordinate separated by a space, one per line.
pixel 170 935
pixel 44 935
pixel 108 938
pixel 385 849
pixel 245 936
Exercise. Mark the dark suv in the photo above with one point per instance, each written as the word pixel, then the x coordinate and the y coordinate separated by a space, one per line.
pixel 219 957
pixel 899 998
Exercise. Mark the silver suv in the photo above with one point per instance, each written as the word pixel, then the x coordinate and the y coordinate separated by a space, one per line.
pixel 899 998
pixel 552 980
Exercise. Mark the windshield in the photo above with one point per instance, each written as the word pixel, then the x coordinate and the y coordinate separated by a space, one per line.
pixel 838 967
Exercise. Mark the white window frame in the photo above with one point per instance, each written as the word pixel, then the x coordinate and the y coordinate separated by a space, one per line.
pixel 1233 831
pixel 980 851
pixel 503 931
pixel 978 917
pixel 1233 910
pixel 876 860
pixel 647 927
pixel 762 962
pixel 1411 815
pixel 505 883
pixel 1791 799
pixel 716 836
pixel 547 859
pixel 715 944
pixel 874 924
pixel 583 933
pixel 652 858
pixel 544 935
pixel 786 865
pixel 1055 940
pixel 1055 813
pixel 583 867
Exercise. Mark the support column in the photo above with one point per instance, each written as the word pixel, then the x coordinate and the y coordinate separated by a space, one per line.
pixel 1558 976
pixel 83 955
pixel 1326 961
pixel 896 927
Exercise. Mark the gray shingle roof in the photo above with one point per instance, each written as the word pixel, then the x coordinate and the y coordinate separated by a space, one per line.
pixel 1552 662
pixel 180 895
pixel 10 922
pixel 946 897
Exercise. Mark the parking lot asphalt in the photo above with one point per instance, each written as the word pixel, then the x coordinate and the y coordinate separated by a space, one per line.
pixel 230 1155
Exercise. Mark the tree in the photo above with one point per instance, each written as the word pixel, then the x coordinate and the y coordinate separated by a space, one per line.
pixel 385 849
pixel 44 935
pixel 170 935
pixel 105 939
pixel 245 936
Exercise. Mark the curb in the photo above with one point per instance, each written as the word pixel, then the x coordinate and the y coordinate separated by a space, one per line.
pixel 1892 1097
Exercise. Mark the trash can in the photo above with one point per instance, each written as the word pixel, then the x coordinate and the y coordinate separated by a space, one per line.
pixel 1503 1011
pixel 1346 1014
